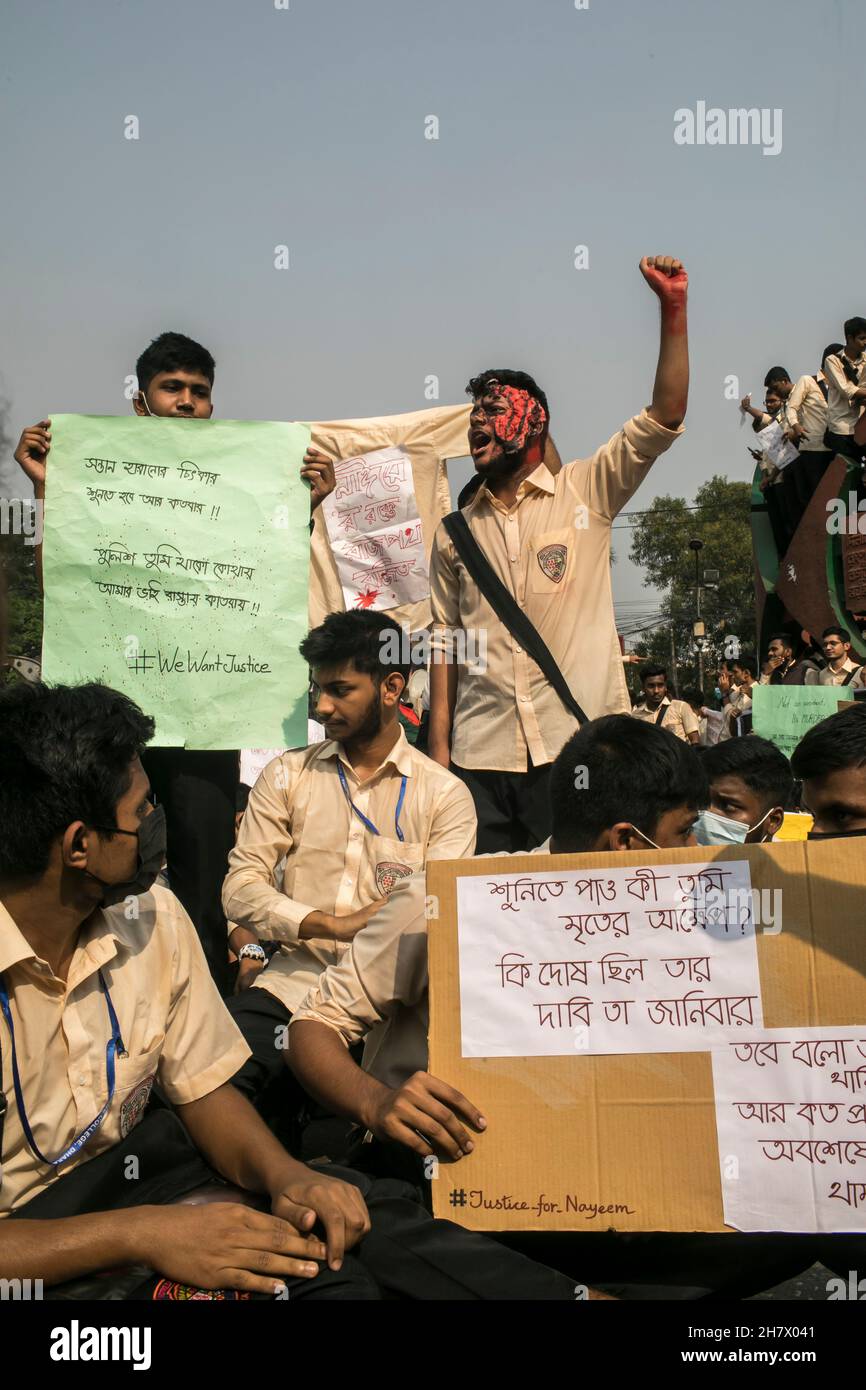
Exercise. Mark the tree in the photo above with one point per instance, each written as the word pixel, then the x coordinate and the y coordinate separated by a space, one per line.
pixel 721 518
pixel 20 599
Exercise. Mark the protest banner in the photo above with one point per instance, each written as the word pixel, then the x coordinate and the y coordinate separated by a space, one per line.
pixel 375 532
pixel 784 713
pixel 630 1141
pixel 175 564
pixel 428 438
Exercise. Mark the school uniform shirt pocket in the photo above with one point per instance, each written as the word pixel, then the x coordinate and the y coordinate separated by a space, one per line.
pixel 551 562
pixel 393 860
pixel 136 1075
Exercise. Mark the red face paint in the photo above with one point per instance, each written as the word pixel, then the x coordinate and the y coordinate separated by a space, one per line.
pixel 524 418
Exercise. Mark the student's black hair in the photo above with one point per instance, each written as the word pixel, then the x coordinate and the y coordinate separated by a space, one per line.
pixel 838 742
pixel 852 327
pixel 371 642
pixel 620 769
pixel 652 669
pixel 65 754
pixel 746 662
pixel 756 761
pixel 831 350
pixel 776 374
pixel 695 698
pixel 841 632
pixel 787 639
pixel 242 798
pixel 173 352
pixel 477 386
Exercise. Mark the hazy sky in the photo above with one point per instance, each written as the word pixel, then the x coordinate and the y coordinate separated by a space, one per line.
pixel 409 257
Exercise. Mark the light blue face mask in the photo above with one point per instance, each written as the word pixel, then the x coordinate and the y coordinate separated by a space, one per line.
pixel 713 829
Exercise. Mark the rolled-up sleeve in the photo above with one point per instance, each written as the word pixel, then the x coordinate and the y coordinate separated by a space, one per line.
pixel 250 895
pixel 203 1046
pixel 385 967
pixel 615 471
pixel 444 589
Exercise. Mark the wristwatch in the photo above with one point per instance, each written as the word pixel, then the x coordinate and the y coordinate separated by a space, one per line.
pixel 252 951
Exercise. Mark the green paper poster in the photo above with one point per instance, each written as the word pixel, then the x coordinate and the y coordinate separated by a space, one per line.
pixel 176 560
pixel 784 713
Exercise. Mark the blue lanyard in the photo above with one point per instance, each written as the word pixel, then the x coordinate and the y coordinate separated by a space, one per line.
pixel 360 814
pixel 113 1049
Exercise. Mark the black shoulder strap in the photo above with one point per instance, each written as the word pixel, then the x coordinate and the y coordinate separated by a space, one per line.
pixel 660 717
pixel 851 674
pixel 506 608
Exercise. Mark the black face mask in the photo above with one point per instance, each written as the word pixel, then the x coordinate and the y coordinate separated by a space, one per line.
pixel 834 834
pixel 151 838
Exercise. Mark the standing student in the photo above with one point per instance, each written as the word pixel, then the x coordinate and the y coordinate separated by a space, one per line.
pixel 197 788
pixel 806 420
pixel 657 707
pixel 840 669
pixel 846 382
pixel 527 564
pixel 788 668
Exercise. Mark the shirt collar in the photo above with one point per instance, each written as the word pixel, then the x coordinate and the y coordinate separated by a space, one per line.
pixel 97 943
pixel 541 479
pixel 400 756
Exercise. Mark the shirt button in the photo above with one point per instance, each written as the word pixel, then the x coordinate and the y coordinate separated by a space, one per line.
pixel 525 699
pixel 513 559
pixel 82 1080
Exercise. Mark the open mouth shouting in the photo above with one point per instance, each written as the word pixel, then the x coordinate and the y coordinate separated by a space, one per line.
pixel 481 443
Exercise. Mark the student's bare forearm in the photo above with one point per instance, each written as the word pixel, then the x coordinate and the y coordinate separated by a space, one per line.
pixel 237 1142
pixel 322 1064
pixel 671 388
pixel 443 698
pixel 54 1251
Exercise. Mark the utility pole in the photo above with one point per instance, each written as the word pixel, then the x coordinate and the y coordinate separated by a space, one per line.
pixel 699 629
pixel 674 681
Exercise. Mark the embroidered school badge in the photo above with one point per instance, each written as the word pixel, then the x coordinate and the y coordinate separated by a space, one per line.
pixel 388 873
pixel 184 1293
pixel 132 1108
pixel 553 560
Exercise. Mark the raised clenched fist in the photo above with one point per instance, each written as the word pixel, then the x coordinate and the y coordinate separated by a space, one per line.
pixel 665 275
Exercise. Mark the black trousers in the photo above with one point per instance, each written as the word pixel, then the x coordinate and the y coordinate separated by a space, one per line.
pixel 807 472
pixel 406 1255
pixel 513 808
pixel 198 791
pixel 844 444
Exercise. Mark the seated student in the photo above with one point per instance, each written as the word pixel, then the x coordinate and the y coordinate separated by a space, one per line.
pixel 643 787
pixel 647 789
pixel 751 784
pixel 351 816
pixel 830 760
pixel 674 715
pixel 104 992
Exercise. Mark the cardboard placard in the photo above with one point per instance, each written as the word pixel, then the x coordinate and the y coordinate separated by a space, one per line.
pixel 594 1143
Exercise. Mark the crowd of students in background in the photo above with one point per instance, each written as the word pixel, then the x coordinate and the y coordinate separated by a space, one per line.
pixel 256 955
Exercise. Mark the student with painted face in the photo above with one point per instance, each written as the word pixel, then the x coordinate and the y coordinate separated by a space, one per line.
pixel 553 659
pixel 657 707
pixel 197 788
pixel 349 817
pixel 751 784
